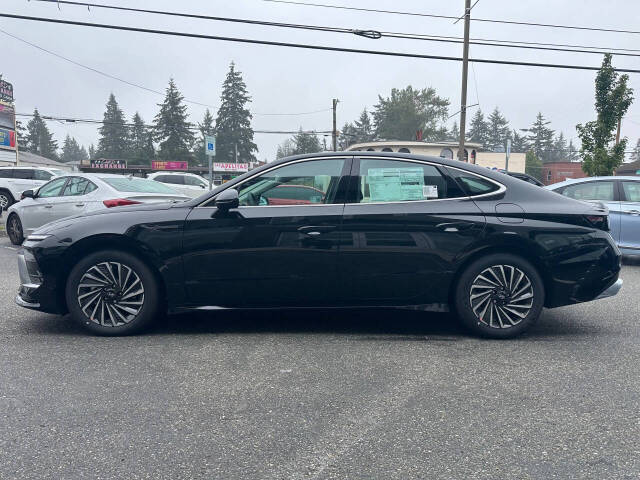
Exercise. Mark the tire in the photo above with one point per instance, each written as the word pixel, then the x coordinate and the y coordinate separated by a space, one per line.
pixel 14 229
pixel 493 305
pixel 112 307
pixel 6 199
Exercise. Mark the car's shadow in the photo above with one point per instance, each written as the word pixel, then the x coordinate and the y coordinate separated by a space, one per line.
pixel 365 324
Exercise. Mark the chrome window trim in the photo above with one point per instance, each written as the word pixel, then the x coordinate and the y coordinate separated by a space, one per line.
pixel 501 188
pixel 273 168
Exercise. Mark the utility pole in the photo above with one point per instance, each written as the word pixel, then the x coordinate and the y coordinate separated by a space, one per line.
pixel 335 128
pixel 235 153
pixel 465 71
pixel 618 131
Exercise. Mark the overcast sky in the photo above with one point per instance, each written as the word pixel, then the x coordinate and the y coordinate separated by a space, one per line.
pixel 285 80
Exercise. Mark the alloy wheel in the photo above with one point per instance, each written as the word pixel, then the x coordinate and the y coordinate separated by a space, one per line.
pixel 110 294
pixel 15 229
pixel 4 201
pixel 501 296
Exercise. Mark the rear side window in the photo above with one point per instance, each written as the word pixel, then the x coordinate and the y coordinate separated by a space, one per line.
pixel 193 181
pixel 631 191
pixel 6 173
pixel 383 180
pixel 473 184
pixel 76 186
pixel 602 190
pixel 172 179
pixel 137 185
pixel 23 173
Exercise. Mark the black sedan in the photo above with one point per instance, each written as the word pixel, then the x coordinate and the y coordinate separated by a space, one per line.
pixel 380 230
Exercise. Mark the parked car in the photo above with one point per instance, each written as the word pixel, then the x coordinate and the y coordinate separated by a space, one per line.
pixel 15 180
pixel 80 193
pixel 390 230
pixel 526 178
pixel 186 183
pixel 621 195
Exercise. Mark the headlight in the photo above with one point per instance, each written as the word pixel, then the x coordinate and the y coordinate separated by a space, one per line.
pixel 37 238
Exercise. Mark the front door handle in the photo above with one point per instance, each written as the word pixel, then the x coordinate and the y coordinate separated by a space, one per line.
pixel 316 231
pixel 635 213
pixel 79 204
pixel 454 226
pixel 48 206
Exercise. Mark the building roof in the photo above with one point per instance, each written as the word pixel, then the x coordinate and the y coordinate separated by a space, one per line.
pixel 40 161
pixel 404 143
pixel 628 168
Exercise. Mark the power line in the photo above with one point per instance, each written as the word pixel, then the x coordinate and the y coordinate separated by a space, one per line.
pixel 451 17
pixel 372 34
pixel 92 121
pixel 127 82
pixel 304 46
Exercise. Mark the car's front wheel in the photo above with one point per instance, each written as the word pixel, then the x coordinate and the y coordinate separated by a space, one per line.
pixel 499 296
pixel 112 293
pixel 14 229
pixel 6 199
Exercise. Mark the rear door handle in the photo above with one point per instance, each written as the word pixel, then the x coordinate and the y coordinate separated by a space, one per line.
pixel 635 213
pixel 48 206
pixel 79 204
pixel 454 226
pixel 316 231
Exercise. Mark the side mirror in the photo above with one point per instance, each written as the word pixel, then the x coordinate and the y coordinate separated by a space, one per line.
pixel 28 194
pixel 227 200
pixel 203 186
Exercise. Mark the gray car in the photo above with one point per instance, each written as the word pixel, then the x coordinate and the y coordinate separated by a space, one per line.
pixel 621 195
pixel 80 193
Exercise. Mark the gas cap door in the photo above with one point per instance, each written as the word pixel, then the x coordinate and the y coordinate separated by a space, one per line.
pixel 509 213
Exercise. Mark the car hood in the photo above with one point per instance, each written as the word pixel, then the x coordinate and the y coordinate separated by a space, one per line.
pixel 52 227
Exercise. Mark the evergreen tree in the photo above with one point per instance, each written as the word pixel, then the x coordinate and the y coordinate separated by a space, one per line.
pixel 348 136
pixel 540 139
pixel 285 149
pixel 406 111
pixel 72 151
pixel 573 155
pixel 171 128
pixel 140 149
pixel 498 131
pixel 363 128
pixel 613 99
pixel 533 165
pixel 518 142
pixel 92 152
pixel 206 129
pixel 454 133
pixel 233 124
pixel 113 132
pixel 478 129
pixel 635 156
pixel 39 139
pixel 21 133
pixel 304 142
pixel 560 152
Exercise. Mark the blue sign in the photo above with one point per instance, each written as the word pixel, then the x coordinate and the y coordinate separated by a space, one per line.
pixel 210 145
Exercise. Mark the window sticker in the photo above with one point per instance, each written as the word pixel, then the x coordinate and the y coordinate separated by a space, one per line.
pixel 430 191
pixel 396 184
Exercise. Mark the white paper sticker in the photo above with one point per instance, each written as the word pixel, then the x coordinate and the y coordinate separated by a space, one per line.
pixel 430 191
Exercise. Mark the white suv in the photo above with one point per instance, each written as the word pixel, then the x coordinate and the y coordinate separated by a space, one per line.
pixel 187 183
pixel 15 180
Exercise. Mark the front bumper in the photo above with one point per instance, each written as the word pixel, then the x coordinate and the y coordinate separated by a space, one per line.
pixel 30 281
pixel 612 290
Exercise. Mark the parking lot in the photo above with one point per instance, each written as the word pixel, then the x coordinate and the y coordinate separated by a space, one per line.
pixel 332 394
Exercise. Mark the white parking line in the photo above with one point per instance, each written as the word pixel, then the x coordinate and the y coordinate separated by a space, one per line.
pixel 11 248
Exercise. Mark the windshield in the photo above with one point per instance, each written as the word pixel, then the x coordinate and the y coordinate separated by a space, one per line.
pixel 138 185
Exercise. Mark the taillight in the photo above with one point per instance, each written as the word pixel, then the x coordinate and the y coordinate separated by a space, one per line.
pixel 119 202
pixel 600 222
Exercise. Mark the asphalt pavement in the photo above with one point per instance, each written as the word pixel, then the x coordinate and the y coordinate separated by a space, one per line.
pixel 321 395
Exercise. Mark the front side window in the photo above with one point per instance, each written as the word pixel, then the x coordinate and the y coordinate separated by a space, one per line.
pixel 43 175
pixel 401 181
pixel 52 189
pixel 631 191
pixel 305 183
pixel 193 181
pixel 602 190
pixel 75 187
pixel 6 173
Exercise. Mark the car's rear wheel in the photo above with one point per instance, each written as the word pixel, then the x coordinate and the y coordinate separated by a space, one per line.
pixel 6 199
pixel 112 293
pixel 14 229
pixel 499 296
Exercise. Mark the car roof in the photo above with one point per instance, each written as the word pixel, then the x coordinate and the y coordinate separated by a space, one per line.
pixel 27 167
pixel 570 181
pixel 164 172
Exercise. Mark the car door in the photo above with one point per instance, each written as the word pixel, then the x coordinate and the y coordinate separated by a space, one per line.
pixel 630 214
pixel 74 199
pixel 404 224
pixel 194 186
pixel 605 191
pixel 265 255
pixel 37 211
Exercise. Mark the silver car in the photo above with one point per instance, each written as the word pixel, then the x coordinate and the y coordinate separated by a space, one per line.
pixel 621 195
pixel 81 193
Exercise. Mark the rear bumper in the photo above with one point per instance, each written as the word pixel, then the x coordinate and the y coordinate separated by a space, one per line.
pixel 611 291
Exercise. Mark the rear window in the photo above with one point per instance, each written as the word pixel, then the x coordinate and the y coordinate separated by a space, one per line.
pixel 138 185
